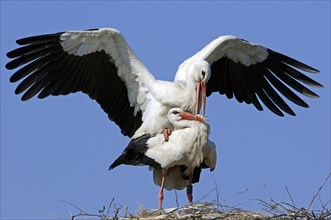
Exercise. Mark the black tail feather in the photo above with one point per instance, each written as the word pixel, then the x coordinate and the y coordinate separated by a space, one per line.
pixel 134 154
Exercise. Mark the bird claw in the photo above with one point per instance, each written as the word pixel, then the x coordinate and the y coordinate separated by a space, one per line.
pixel 189 193
pixel 160 200
pixel 166 133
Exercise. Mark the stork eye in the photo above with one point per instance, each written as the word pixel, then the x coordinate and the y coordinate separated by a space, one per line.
pixel 175 112
pixel 203 73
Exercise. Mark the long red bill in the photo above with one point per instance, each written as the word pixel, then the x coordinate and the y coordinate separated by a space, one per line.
pixel 189 116
pixel 203 97
pixel 203 88
pixel 197 90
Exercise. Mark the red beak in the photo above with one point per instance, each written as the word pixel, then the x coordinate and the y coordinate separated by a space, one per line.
pixel 189 116
pixel 204 94
pixel 203 88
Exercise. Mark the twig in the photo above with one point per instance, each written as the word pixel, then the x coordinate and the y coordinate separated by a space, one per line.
pixel 119 211
pixel 203 197
pixel 318 191
pixel 69 203
pixel 176 198
pixel 243 192
pixel 102 214
pixel 289 194
pixel 47 213
pixel 218 203
pixel 110 204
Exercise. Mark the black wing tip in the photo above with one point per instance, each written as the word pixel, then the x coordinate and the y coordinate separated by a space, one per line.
pixel 24 99
pixel 310 69
pixel 289 112
pixel 11 65
pixel 280 114
pixel 317 85
pixel 293 62
pixel 117 162
pixel 42 95
pixel 38 38
pixel 111 167
pixel 11 54
pixel 311 95
pixel 12 80
pixel 26 96
pixel 313 70
pixel 292 113
pixel 134 154
pixel 44 37
pixel 24 41
pixel 20 41
pixel 93 29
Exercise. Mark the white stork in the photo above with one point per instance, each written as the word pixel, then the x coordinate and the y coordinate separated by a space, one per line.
pixel 101 64
pixel 178 160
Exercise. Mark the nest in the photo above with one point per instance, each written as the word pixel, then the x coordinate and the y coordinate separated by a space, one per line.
pixel 197 211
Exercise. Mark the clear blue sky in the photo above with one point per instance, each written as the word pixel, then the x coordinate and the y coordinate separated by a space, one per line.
pixel 60 148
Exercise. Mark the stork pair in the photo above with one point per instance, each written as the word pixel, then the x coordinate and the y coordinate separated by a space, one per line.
pixel 101 64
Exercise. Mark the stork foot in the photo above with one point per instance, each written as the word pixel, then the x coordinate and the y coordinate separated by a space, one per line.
pixel 166 134
pixel 189 193
pixel 189 189
pixel 160 199
pixel 161 191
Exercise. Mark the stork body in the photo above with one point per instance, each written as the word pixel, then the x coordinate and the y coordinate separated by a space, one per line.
pixel 176 163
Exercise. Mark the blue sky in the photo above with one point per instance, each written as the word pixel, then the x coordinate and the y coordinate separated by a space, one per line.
pixel 60 148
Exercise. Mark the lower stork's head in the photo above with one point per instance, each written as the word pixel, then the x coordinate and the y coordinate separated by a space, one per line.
pixel 182 119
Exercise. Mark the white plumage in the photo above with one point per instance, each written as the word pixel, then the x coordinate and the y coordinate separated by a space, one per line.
pixel 175 178
pixel 152 97
pixel 183 155
pixel 101 64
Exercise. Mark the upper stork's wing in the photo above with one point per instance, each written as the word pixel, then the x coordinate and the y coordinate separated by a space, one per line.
pixel 247 71
pixel 97 62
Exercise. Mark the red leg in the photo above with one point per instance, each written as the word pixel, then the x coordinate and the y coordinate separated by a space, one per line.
pixel 166 134
pixel 161 191
pixel 189 190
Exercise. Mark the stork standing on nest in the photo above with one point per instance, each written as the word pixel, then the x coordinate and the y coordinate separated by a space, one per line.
pixel 101 64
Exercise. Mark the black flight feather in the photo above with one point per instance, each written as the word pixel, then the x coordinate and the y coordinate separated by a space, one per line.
pixel 134 154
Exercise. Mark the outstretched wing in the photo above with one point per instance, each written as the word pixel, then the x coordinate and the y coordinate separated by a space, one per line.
pixel 249 71
pixel 96 62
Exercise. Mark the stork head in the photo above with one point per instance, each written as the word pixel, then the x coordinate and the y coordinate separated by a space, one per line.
pixel 200 72
pixel 178 118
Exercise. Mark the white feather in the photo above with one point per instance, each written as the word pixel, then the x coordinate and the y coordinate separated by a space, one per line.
pixel 130 69
pixel 174 179
pixel 188 145
pixel 228 46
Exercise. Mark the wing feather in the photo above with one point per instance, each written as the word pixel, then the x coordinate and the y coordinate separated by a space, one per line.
pixel 236 82
pixel 246 71
pixel 291 61
pixel 266 100
pixel 97 62
pixel 281 87
pixel 274 96
pixel 279 72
